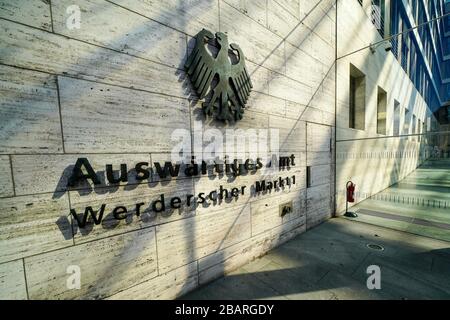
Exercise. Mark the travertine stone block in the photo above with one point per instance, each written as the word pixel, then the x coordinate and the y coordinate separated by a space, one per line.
pixel 12 281
pixel 319 158
pixel 320 174
pixel 34 13
pixel 319 137
pixel 170 285
pixel 300 63
pixel 293 6
pixel 280 20
pixel 318 205
pixel 50 173
pixel 30 225
pixel 255 9
pixel 107 267
pixel 182 242
pixel 29 114
pixel 292 133
pixel 287 88
pixel 97 110
pixel 311 114
pixel 6 187
pixel 264 103
pixel 188 17
pixel 130 32
pixel 43 51
pixel 260 78
pixel 259 44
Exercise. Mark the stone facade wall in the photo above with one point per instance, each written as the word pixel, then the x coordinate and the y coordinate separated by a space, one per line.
pixel 114 91
pixel 371 160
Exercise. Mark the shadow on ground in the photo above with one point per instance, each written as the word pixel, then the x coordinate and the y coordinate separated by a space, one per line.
pixel 330 262
pixel 419 204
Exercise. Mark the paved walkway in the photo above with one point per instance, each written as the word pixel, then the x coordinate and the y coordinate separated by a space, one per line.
pixel 330 262
pixel 418 204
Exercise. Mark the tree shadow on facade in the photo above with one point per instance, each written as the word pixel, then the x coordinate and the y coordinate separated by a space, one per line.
pixel 191 232
pixel 284 227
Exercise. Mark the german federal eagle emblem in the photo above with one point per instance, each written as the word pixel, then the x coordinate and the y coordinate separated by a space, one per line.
pixel 229 96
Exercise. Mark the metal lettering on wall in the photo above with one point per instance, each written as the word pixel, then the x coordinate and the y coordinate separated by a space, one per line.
pixel 230 94
pixel 83 171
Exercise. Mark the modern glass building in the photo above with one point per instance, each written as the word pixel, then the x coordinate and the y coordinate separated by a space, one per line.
pixel 422 46
pixel 423 52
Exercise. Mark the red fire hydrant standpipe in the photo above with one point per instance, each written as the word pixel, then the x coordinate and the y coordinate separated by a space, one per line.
pixel 350 197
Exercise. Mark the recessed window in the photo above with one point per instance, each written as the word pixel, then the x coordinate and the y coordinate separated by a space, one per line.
pixel 357 98
pixel 396 118
pixel 422 131
pixel 407 122
pixel 381 111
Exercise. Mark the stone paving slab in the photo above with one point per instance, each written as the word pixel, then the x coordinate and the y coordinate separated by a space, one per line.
pixel 330 262
pixel 418 204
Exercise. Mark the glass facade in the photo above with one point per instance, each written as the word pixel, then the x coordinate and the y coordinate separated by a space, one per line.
pixel 422 46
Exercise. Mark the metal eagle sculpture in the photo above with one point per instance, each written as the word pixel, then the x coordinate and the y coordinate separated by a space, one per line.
pixel 233 88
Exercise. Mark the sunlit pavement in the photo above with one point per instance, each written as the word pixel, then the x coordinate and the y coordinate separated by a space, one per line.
pixel 331 261
pixel 418 204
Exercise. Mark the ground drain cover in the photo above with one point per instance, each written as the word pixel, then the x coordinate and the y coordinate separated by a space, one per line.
pixel 375 247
